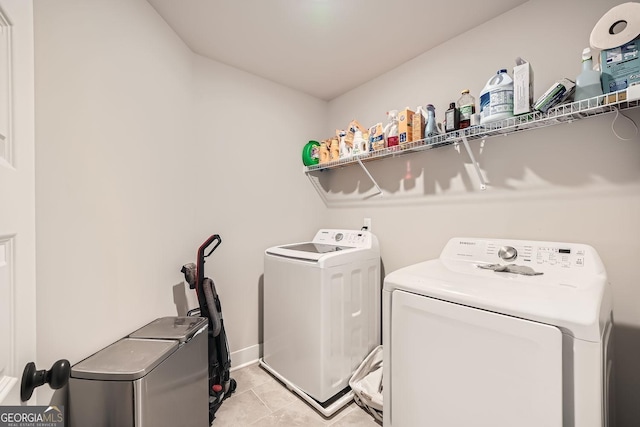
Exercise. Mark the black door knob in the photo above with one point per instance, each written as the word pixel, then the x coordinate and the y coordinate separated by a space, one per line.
pixel 57 377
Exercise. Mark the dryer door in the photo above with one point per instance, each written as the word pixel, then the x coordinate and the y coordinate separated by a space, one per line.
pixel 453 365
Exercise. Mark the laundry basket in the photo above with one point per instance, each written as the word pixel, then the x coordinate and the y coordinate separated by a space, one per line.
pixel 366 384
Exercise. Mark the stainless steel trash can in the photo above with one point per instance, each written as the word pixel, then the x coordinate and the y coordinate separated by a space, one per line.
pixel 145 380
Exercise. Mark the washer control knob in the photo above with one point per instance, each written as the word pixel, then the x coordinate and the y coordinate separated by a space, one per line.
pixel 508 253
pixel 339 237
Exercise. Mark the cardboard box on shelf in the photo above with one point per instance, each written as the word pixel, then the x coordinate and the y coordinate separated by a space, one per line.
pixel 417 127
pixel 405 121
pixel 522 88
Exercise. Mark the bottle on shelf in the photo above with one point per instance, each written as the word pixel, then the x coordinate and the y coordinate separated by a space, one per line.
pixel 391 129
pixel 496 99
pixel 467 108
pixel 588 83
pixel 334 149
pixel 451 118
pixel 430 128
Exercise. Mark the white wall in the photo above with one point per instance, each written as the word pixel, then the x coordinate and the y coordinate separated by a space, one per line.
pixel 252 191
pixel 113 103
pixel 574 182
pixel 143 150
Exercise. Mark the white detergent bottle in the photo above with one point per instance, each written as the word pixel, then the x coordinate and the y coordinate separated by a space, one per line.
pixel 588 84
pixel 496 99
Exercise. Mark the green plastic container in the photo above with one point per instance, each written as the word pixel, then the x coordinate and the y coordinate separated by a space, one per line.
pixel 311 153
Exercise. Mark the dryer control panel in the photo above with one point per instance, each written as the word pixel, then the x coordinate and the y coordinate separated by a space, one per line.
pixel 566 256
pixel 538 255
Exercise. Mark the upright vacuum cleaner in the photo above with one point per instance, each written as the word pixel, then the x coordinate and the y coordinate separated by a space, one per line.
pixel 221 385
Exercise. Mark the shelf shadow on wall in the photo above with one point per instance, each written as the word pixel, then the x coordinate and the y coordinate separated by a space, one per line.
pixel 565 156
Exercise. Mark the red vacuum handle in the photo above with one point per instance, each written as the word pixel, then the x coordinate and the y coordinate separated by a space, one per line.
pixel 201 255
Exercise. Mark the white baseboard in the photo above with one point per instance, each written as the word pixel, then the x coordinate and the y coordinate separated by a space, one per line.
pixel 246 356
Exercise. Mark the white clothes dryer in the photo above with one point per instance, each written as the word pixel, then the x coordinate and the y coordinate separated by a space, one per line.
pixel 466 344
pixel 322 313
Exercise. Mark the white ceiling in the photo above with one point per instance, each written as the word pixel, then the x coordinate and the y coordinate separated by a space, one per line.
pixel 322 47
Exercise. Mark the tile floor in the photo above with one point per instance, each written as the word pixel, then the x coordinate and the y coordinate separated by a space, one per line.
pixel 261 400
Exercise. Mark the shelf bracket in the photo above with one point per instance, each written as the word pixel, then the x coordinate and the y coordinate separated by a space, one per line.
pixel 318 187
pixel 370 177
pixel 483 183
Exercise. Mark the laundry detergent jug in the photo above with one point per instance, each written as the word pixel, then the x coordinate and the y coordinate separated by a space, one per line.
pixel 496 99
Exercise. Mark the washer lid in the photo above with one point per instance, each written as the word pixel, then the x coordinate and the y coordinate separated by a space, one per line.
pixel 329 244
pixel 307 251
pixel 175 328
pixel 572 292
pixel 125 360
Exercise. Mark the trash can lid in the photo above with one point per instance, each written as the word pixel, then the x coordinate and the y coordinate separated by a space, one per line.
pixel 174 328
pixel 125 360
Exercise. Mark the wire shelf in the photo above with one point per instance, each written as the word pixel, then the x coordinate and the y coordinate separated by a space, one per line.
pixel 561 114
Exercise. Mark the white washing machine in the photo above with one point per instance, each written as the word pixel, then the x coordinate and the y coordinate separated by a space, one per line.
pixel 322 313
pixel 469 346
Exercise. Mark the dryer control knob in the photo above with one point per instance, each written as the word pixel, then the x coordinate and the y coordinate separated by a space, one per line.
pixel 508 253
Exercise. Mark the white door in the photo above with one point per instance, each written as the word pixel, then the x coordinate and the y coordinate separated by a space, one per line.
pixel 17 197
pixel 455 366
